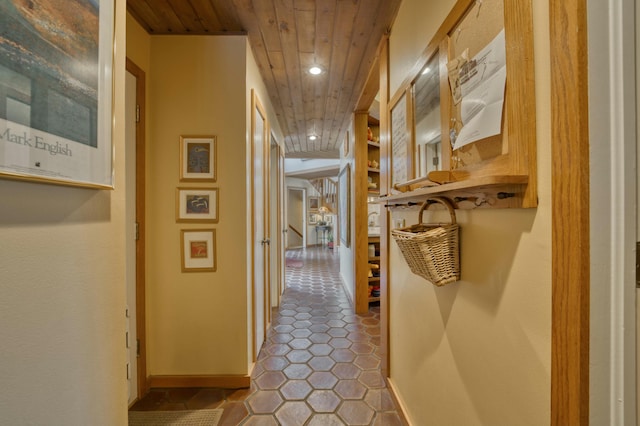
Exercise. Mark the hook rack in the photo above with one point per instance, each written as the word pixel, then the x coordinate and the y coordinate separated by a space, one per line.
pixel 408 204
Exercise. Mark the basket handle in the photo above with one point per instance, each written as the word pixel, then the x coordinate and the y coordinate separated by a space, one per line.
pixel 445 202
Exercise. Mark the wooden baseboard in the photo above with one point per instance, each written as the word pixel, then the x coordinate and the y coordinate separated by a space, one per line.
pixel 401 408
pixel 225 382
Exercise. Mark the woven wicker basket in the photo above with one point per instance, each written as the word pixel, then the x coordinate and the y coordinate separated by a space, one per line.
pixel 432 251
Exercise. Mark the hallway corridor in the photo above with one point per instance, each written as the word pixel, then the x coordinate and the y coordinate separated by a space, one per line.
pixel 319 365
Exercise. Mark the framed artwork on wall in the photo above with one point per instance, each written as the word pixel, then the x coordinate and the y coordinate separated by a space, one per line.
pixel 314 203
pixel 197 158
pixel 344 206
pixel 198 250
pixel 56 75
pixel 197 205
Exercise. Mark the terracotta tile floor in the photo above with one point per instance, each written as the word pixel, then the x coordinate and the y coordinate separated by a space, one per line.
pixel 319 365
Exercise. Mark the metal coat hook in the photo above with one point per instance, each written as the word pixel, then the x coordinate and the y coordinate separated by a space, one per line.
pixel 409 204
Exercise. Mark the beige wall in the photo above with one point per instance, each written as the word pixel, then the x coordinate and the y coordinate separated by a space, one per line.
pixel 196 322
pixel 62 294
pixel 477 352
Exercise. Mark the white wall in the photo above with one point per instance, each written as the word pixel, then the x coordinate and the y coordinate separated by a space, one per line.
pixel 62 294
pixel 477 352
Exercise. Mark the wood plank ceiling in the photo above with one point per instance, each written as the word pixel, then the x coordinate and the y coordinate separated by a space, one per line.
pixel 287 37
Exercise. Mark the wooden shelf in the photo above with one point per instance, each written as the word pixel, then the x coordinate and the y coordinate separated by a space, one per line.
pixel 372 170
pixel 372 143
pixel 374 279
pixel 374 299
pixel 374 259
pixel 492 188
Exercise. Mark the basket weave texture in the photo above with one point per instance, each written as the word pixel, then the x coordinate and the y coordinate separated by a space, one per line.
pixel 432 251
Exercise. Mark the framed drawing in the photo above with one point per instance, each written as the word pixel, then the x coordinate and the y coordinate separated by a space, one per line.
pixel 314 203
pixel 344 207
pixel 197 205
pixel 401 140
pixel 198 250
pixel 313 219
pixel 197 158
pixel 56 97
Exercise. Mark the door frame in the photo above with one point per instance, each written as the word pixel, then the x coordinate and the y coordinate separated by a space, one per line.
pixel 593 300
pixel 141 344
pixel 304 214
pixel 257 108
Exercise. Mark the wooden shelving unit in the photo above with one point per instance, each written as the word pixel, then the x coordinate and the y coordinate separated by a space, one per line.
pixel 375 259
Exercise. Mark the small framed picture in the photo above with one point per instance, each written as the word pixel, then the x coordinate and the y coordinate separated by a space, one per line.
pixel 197 158
pixel 313 219
pixel 197 205
pixel 314 203
pixel 198 250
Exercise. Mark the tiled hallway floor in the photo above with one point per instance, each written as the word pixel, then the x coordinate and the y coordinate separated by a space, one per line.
pixel 319 365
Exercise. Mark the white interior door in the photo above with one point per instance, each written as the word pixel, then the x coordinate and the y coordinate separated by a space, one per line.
pixel 130 232
pixel 259 224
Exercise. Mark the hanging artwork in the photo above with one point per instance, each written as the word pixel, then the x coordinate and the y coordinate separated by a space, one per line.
pixel 344 207
pixel 198 158
pixel 56 92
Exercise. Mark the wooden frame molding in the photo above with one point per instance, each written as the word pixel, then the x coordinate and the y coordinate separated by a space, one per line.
pixel 143 386
pixel 570 213
pixel 221 381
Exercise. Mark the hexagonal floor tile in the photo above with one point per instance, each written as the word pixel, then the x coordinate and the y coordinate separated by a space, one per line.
pixel 295 389
pixel 298 355
pixel 340 342
pixel 320 349
pixel 293 413
pixel 301 333
pixel 372 379
pixel 320 337
pixel 300 343
pixel 343 355
pixel 325 420
pixel 271 380
pixel 346 371
pixel 367 362
pixel 350 389
pixel 356 413
pixel 297 371
pixel 274 363
pixel 321 363
pixel 263 402
pixel 323 401
pixel 322 380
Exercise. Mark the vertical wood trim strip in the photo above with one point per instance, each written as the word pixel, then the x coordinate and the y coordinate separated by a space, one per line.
pixel 384 213
pixel 141 305
pixel 359 238
pixel 570 213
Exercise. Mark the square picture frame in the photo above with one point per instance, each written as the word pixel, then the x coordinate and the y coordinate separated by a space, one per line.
pixel 313 203
pixel 61 133
pixel 197 205
pixel 313 219
pixel 198 250
pixel 198 159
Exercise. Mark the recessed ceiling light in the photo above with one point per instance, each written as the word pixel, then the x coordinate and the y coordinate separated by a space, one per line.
pixel 313 137
pixel 427 70
pixel 315 70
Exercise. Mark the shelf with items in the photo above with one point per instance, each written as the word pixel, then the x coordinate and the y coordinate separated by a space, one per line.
pixel 373 158
pixel 373 279
pixel 429 125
